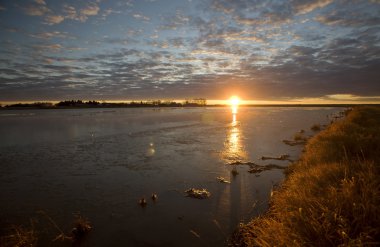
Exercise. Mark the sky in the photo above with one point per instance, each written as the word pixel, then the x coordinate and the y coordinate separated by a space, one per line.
pixel 267 51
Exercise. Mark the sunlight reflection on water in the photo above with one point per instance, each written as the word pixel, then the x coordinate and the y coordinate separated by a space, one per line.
pixel 234 148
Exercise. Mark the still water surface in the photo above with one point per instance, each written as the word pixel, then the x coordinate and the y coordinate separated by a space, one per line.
pixel 100 162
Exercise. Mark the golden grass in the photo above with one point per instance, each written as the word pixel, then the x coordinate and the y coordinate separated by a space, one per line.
pixel 20 236
pixel 331 197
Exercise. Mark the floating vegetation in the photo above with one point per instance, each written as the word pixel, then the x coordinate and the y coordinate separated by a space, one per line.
pixel 81 228
pixel 259 168
pixel 281 157
pixel 238 163
pixel 198 193
pixel 255 168
pixel 294 143
pixel 223 180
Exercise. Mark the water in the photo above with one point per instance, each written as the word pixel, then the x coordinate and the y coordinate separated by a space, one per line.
pixel 100 162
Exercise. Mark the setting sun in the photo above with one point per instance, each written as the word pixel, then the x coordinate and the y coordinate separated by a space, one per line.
pixel 234 101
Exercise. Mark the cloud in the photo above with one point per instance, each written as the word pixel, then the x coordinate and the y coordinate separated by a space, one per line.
pixel 54 19
pixel 266 49
pixel 345 18
pixel 176 21
pixel 82 15
pixel 42 2
pixel 36 10
pixel 303 7
pixel 50 35
pixel 70 12
pixel 141 17
pixel 90 10
pixel 109 11
pixel 49 47
pixel 2 8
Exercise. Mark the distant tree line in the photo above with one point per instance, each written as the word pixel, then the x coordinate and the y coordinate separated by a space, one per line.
pixel 94 104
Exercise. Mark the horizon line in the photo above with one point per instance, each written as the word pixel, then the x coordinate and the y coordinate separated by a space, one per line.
pixel 214 102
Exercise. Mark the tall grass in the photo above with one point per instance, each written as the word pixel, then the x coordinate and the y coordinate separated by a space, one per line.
pixel 331 197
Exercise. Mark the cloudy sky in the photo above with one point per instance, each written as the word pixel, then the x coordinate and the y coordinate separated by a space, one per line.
pixel 176 49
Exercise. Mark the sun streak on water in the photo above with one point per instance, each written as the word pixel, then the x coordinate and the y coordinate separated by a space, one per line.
pixel 234 148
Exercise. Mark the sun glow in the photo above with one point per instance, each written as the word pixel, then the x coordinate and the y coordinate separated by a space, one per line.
pixel 234 102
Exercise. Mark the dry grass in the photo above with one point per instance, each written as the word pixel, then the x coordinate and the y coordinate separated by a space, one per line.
pixel 331 197
pixel 19 236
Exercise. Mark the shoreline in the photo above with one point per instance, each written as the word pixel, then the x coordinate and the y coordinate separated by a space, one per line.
pixel 112 106
pixel 330 196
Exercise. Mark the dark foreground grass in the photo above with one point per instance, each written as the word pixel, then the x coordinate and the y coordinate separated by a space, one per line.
pixel 331 197
pixel 29 236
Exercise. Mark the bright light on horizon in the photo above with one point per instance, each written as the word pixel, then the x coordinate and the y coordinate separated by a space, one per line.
pixel 234 101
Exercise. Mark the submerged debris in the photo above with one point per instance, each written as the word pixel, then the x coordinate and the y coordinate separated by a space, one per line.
pixel 281 157
pixel 195 234
pixel 237 163
pixel 294 143
pixel 259 168
pixel 223 180
pixel 82 227
pixel 198 193
pixel 255 168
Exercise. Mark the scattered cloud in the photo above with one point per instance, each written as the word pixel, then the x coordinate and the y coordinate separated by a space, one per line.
pixel 320 49
pixel 49 47
pixel 42 2
pixel 36 10
pixel 53 19
pixel 141 17
pixel 90 10
pixel 108 12
pixel 50 35
pixel 80 15
pixel 304 7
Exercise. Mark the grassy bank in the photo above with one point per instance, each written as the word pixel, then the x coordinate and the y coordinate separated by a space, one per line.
pixel 331 196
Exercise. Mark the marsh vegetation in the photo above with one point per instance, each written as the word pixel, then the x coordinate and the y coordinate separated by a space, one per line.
pixel 331 196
